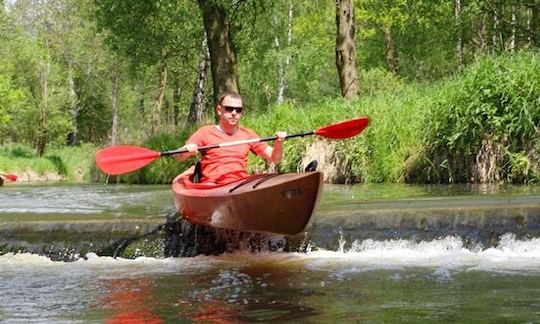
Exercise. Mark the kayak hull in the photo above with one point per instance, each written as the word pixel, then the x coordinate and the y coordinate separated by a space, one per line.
pixel 267 203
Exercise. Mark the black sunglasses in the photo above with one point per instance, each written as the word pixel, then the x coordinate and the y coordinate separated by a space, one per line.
pixel 231 109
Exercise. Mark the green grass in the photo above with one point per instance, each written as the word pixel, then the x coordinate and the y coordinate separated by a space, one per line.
pixel 483 124
pixel 73 164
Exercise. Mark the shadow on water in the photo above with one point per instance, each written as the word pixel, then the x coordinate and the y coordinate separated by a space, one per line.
pixel 183 239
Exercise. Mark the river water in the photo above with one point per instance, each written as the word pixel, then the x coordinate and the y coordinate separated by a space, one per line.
pixel 389 279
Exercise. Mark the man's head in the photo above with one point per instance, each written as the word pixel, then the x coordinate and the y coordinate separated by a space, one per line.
pixel 229 109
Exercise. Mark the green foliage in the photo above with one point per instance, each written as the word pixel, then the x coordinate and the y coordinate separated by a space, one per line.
pixel 18 151
pixel 436 131
pixel 68 163
pixel 377 81
pixel 9 100
pixel 143 29
pixel 491 112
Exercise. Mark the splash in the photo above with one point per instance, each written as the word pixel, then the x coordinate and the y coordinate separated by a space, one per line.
pixel 510 255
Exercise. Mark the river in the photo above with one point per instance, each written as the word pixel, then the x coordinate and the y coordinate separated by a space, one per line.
pixel 374 253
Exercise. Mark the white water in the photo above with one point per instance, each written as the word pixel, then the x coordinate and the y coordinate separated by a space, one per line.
pixel 94 288
pixel 510 255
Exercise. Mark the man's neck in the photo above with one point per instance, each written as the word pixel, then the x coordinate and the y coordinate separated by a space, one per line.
pixel 229 130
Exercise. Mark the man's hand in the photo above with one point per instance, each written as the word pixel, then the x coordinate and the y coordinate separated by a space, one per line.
pixel 281 136
pixel 191 148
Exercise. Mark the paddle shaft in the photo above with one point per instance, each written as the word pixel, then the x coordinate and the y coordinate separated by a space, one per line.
pixel 233 143
pixel 122 159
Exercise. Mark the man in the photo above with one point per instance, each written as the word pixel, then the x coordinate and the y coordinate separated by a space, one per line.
pixel 227 164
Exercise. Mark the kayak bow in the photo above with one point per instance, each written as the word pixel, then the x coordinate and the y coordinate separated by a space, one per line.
pixel 267 203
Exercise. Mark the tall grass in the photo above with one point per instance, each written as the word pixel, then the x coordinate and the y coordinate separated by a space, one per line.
pixel 483 126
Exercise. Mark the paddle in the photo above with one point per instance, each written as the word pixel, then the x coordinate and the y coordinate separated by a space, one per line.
pixel 123 159
pixel 9 176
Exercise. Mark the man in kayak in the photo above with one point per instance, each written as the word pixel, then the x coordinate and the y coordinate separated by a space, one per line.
pixel 227 164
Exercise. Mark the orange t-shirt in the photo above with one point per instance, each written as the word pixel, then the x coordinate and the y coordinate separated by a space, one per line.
pixel 225 164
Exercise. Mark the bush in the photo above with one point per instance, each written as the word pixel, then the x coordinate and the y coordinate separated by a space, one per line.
pixel 483 126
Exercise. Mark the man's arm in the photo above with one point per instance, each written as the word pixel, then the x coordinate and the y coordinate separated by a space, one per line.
pixel 192 150
pixel 275 153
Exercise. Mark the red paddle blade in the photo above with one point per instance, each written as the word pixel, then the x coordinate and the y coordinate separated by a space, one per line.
pixel 344 129
pixel 123 159
pixel 10 176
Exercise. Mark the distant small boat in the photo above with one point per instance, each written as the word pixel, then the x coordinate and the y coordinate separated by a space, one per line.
pixel 7 176
pixel 268 203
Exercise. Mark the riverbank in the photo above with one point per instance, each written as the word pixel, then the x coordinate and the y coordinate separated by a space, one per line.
pixel 66 164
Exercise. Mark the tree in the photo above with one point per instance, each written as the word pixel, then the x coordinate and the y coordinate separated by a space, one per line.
pixel 154 34
pixel 220 45
pixel 37 70
pixel 284 60
pixel 195 114
pixel 346 48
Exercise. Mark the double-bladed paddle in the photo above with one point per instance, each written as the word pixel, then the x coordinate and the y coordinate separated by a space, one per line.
pixel 123 159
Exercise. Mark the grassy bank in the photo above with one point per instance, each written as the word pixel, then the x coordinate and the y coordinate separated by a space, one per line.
pixel 482 125
pixel 74 164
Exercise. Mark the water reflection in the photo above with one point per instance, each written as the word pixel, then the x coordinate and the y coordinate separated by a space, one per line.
pixel 364 277
pixel 129 301
pixel 376 282
pixel 238 290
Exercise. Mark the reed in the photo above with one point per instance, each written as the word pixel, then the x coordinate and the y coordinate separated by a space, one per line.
pixel 482 126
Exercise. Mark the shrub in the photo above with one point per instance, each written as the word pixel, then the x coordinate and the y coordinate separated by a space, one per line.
pixel 483 120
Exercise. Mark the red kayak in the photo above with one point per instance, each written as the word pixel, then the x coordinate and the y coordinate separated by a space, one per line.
pixel 267 203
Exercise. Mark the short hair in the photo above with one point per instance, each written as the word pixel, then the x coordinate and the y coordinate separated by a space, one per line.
pixel 232 94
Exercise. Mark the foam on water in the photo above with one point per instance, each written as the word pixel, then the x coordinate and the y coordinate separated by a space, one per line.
pixel 510 255
pixel 26 264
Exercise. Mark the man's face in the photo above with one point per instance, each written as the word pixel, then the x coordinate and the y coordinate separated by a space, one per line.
pixel 230 111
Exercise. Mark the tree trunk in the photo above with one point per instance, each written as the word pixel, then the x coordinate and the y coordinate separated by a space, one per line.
pixel 512 45
pixel 142 111
pixel 74 109
pixel 196 108
pixel 390 46
pixel 459 40
pixel 281 69
pixel 158 101
pixel 496 32
pixel 176 102
pixel 221 48
pixel 44 106
pixel 114 107
pixel 284 62
pixel 482 34
pixel 529 30
pixel 535 24
pixel 346 49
